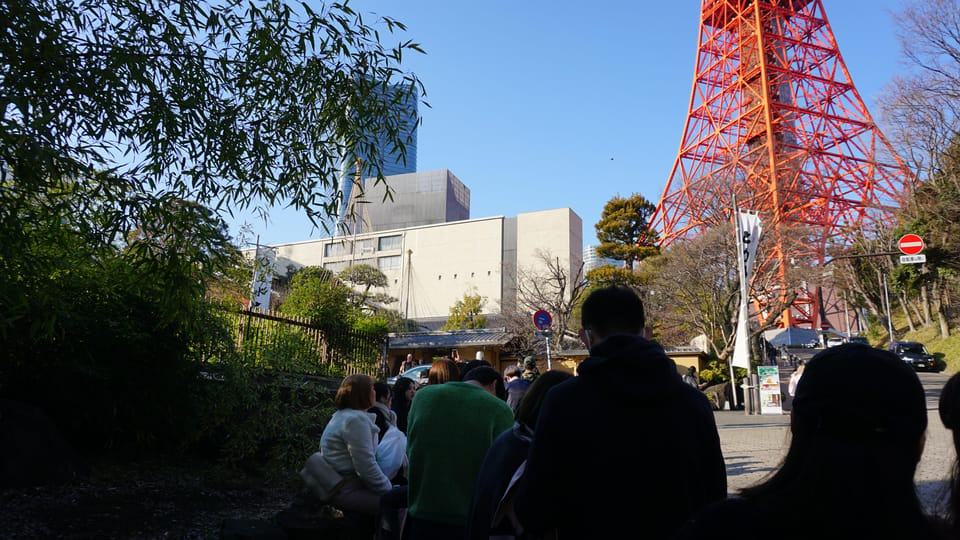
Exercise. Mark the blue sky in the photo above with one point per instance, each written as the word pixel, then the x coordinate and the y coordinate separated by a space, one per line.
pixel 538 105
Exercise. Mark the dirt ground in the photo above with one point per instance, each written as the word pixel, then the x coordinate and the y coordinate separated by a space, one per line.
pixel 143 500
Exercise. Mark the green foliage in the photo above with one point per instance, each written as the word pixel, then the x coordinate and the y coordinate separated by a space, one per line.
pixel 317 295
pixel 366 277
pixel 127 130
pixel 607 275
pixel 466 313
pixel 624 230
pixel 266 424
pixel 228 104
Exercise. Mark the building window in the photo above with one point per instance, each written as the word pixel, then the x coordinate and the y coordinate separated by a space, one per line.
pixel 336 267
pixel 390 243
pixel 366 246
pixel 388 263
pixel 335 249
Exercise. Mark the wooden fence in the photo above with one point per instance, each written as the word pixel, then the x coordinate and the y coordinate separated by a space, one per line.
pixel 292 344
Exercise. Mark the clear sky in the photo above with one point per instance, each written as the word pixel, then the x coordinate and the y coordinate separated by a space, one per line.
pixel 548 104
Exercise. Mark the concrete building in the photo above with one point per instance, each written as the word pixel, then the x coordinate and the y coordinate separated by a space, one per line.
pixel 430 267
pixel 423 198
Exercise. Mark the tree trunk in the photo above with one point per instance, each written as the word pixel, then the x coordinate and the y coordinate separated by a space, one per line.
pixel 906 312
pixel 939 305
pixel 925 305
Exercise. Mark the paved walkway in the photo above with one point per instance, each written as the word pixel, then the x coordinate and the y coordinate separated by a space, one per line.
pixel 753 446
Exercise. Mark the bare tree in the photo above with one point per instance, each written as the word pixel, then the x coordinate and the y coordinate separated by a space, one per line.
pixel 550 286
pixel 697 291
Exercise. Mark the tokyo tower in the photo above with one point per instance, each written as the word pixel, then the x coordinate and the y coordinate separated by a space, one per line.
pixel 776 126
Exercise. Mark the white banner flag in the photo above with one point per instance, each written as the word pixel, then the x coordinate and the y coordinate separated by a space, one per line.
pixel 748 236
pixel 262 278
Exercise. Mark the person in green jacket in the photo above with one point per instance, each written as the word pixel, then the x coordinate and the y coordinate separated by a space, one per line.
pixel 450 428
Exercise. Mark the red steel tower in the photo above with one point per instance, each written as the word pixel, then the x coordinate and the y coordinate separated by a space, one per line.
pixel 776 126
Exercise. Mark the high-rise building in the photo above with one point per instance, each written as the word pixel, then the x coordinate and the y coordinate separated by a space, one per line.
pixel 358 165
pixel 423 198
pixel 592 261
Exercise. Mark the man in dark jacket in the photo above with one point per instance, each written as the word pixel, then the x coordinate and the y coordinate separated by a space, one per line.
pixel 626 445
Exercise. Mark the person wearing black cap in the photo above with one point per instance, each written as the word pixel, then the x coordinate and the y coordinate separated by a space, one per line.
pixel 858 424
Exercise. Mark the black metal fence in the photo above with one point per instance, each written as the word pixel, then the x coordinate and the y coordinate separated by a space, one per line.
pixel 285 343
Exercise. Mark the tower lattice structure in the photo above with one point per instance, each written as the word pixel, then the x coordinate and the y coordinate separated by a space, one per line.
pixel 775 125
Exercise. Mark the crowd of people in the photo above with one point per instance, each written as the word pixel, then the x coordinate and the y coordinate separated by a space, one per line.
pixel 628 447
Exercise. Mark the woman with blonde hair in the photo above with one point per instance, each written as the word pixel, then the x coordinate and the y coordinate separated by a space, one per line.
pixel 349 445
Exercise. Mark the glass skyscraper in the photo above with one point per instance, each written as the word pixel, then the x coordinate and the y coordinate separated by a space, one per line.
pixel 393 161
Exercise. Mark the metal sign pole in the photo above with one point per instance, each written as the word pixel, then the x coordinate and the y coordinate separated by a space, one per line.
pixel 547 337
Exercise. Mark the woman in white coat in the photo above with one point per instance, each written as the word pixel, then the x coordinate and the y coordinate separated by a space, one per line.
pixel 349 444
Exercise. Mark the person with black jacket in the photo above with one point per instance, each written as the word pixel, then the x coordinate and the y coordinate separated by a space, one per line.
pixel 652 439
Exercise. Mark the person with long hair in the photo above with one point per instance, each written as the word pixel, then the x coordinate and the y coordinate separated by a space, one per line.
pixel 442 371
pixel 349 444
pixel 858 425
pixel 403 391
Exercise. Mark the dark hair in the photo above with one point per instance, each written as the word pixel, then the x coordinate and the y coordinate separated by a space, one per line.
pixel 858 418
pixel 950 416
pixel 400 405
pixel 381 389
pixel 613 310
pixel 482 374
pixel 381 421
pixel 529 407
pixel 354 393
pixel 467 366
pixel 512 371
pixel 442 371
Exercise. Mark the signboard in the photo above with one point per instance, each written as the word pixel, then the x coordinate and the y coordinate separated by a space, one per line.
pixel 542 320
pixel 913 259
pixel 910 244
pixel 769 390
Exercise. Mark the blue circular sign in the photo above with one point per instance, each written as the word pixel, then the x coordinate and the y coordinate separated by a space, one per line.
pixel 542 320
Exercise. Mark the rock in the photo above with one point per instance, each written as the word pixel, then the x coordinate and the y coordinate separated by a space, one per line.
pixel 32 450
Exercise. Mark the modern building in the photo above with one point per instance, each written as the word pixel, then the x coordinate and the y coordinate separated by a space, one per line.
pixel 424 198
pixel 394 162
pixel 592 261
pixel 430 267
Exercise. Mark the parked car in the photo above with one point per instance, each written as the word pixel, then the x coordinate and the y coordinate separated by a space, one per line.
pixel 858 339
pixel 915 354
pixel 834 341
pixel 414 374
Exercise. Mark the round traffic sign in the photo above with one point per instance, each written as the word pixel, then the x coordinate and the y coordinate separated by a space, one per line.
pixel 910 244
pixel 542 320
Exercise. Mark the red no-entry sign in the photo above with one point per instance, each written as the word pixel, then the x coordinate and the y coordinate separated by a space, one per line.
pixel 910 244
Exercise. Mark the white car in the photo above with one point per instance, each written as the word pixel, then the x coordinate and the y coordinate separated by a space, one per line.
pixel 414 374
pixel 834 341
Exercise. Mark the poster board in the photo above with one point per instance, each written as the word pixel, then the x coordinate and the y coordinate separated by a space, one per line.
pixel 770 390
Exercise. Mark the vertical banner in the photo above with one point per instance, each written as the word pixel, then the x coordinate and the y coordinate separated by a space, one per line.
pixel 769 390
pixel 262 278
pixel 748 236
